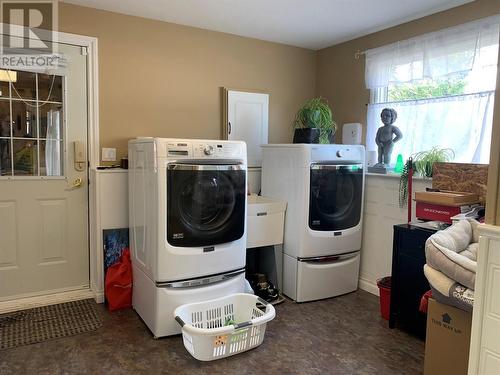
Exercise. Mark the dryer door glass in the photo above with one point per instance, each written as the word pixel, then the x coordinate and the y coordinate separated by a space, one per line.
pixel 336 194
pixel 205 204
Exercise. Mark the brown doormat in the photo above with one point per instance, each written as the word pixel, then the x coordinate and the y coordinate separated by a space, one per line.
pixel 46 323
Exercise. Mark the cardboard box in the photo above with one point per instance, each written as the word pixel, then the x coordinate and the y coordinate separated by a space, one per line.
pixel 446 198
pixel 447 340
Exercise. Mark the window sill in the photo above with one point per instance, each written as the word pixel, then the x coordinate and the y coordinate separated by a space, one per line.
pixel 397 176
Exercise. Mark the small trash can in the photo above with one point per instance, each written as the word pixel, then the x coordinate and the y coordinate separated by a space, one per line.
pixel 384 288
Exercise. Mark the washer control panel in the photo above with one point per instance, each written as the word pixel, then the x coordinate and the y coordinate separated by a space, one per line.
pixel 179 149
pixel 193 149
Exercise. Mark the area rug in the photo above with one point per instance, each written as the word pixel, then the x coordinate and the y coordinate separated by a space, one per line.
pixel 46 323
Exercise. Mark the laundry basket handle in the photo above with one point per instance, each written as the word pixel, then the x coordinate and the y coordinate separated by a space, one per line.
pixel 249 322
pixel 243 325
pixel 268 306
pixel 263 301
pixel 180 321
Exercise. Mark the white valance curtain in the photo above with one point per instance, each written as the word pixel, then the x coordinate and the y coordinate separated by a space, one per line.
pixel 435 55
pixel 461 122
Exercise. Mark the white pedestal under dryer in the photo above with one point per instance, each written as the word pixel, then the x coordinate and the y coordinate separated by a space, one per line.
pixel 187 217
pixel 324 188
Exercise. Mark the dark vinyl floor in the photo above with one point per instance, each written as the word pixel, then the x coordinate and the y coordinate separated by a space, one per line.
pixel 343 335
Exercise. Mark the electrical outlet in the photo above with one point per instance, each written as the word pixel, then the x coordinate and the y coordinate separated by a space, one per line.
pixel 108 154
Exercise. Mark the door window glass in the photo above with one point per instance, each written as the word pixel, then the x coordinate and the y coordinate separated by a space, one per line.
pixel 23 85
pixel 31 124
pixel 5 158
pixel 50 158
pixel 51 120
pixel 24 124
pixel 4 87
pixel 4 118
pixel 25 157
pixel 50 88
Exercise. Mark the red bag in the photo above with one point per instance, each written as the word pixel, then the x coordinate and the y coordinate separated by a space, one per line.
pixel 118 284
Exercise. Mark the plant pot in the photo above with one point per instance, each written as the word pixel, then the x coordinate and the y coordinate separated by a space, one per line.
pixel 306 135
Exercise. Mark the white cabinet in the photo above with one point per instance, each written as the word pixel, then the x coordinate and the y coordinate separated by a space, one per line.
pixel 246 119
pixel 109 188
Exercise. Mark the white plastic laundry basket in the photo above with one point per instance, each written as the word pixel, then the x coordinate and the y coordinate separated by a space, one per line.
pixel 224 326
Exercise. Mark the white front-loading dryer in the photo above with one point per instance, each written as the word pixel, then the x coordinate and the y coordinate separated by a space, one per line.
pixel 324 189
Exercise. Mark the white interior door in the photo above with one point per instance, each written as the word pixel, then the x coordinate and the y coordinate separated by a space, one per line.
pixel 44 193
pixel 248 117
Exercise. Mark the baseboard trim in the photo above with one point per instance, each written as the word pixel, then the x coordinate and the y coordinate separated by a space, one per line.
pixel 45 300
pixel 368 286
pixel 98 296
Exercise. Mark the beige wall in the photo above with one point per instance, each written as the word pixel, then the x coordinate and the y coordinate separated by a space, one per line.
pixel 340 78
pixel 161 79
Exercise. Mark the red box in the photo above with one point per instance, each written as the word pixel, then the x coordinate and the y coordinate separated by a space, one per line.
pixel 431 211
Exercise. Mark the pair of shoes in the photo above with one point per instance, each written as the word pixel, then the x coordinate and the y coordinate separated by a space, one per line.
pixel 263 287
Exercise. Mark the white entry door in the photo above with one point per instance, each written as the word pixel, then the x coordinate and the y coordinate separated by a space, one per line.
pixel 43 190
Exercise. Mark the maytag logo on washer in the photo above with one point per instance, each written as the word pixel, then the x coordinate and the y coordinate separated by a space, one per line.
pixel 178 236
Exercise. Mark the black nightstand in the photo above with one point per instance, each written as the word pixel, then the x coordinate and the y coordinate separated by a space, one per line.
pixel 408 280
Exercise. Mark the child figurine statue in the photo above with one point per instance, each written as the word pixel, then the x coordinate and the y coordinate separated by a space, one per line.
pixel 384 139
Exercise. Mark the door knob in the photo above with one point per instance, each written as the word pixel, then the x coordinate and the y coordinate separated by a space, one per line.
pixel 77 182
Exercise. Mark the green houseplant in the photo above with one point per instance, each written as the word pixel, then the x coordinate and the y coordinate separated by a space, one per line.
pixel 422 163
pixel 314 122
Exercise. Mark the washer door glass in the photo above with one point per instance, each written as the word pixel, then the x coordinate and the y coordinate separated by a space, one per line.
pixel 336 193
pixel 205 204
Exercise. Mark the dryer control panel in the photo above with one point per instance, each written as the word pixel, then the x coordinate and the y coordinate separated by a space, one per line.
pixel 217 150
pixel 338 153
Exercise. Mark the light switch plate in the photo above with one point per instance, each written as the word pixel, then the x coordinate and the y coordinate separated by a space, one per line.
pixel 108 154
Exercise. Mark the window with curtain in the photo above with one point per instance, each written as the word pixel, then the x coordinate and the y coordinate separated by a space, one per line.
pixel 442 86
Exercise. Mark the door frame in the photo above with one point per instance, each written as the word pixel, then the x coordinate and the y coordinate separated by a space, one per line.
pixel 91 46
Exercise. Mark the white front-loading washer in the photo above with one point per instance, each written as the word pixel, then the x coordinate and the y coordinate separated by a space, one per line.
pixel 324 188
pixel 187 203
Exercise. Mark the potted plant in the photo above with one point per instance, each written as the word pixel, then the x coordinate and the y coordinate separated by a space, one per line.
pixel 314 122
pixel 422 165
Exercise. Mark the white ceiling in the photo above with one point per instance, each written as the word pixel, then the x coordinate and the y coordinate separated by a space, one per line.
pixel 313 24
